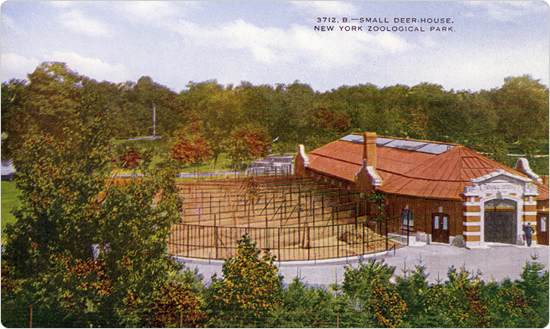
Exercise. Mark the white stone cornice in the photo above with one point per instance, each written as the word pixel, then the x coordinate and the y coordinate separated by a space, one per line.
pixel 472 233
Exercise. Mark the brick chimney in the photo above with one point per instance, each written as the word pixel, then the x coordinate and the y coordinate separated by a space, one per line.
pixel 369 149
pixel 367 178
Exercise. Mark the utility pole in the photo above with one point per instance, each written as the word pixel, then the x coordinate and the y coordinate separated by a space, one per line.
pixel 154 119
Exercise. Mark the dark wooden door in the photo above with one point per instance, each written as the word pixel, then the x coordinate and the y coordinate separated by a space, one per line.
pixel 440 231
pixel 542 228
pixel 500 226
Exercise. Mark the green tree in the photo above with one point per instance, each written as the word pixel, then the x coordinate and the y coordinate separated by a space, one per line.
pixel 370 284
pixel 219 112
pixel 523 105
pixel 413 287
pixel 14 117
pixel 67 206
pixel 250 288
pixel 534 284
pixel 47 104
pixel 305 306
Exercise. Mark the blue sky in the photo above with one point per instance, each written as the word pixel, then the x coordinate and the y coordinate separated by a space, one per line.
pixel 276 42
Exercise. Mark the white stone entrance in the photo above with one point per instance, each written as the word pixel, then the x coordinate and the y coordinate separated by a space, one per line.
pixel 500 191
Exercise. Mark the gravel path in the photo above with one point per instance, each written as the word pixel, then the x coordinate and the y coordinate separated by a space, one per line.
pixel 496 262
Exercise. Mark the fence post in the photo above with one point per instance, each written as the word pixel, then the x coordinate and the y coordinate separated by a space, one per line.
pixel 338 241
pixel 323 207
pixel 245 214
pixel 311 208
pixel 364 239
pixel 367 237
pixel 273 200
pixel 216 236
pixel 332 220
pixel 308 243
pixel 279 243
pixel 266 218
pixel 355 215
pixel 299 210
pixel 284 200
pixel 387 236
pixel 187 239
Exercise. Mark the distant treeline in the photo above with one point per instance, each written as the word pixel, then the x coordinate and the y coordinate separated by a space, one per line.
pixel 512 119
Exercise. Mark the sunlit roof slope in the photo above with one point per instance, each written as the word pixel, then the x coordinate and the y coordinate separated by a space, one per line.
pixel 409 167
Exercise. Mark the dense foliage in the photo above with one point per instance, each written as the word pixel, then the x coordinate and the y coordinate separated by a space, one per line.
pixel 249 291
pixel 512 119
pixel 90 250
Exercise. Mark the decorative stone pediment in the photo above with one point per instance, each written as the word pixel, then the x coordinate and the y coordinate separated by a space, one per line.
pixel 501 183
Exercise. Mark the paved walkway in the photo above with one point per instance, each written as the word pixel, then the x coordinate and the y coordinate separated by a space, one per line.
pixel 496 262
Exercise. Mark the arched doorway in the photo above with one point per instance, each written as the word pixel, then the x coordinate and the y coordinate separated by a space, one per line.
pixel 500 221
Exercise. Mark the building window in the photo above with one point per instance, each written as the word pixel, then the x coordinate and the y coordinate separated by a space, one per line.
pixel 543 224
pixel 407 217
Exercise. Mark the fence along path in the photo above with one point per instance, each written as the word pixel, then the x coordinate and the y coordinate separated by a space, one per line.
pixel 295 219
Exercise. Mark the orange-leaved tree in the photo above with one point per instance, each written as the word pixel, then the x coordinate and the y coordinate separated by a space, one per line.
pixel 247 144
pixel 191 147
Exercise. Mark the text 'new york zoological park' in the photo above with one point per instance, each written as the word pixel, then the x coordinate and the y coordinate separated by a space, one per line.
pixel 384 24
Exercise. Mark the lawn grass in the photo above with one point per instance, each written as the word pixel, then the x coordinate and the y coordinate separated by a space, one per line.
pixel 9 200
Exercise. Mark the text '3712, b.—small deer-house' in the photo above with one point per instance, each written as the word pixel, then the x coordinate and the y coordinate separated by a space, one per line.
pixel 444 190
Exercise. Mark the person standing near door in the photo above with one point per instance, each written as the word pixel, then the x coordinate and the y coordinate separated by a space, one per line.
pixel 528 232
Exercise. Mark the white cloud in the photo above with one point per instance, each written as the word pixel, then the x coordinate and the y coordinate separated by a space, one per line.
pixel 298 44
pixel 507 11
pixel 15 66
pixel 327 7
pixel 150 12
pixel 79 23
pixel 468 68
pixel 93 68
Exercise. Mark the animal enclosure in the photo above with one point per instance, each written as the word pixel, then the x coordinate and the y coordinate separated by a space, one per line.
pixel 294 218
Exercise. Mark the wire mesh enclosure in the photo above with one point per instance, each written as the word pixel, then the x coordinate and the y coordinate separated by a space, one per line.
pixel 292 218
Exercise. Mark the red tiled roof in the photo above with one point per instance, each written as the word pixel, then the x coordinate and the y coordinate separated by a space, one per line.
pixel 445 175
pixel 411 173
pixel 543 191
